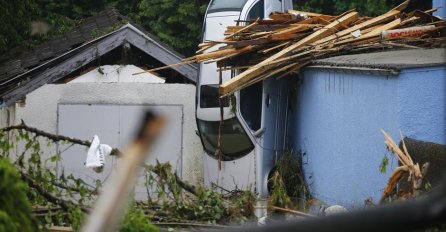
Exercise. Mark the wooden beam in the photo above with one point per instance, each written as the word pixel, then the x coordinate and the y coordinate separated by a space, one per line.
pixel 231 85
pixel 242 30
pixel 374 33
pixel 309 14
pixel 369 23
pixel 220 53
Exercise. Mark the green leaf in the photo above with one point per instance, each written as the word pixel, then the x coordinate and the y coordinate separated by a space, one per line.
pixel 383 165
pixel 55 158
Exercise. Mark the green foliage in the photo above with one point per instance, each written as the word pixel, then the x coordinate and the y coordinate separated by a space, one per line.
pixel 15 209
pixel 43 181
pixel 16 16
pixel 136 221
pixel 243 209
pixel 384 164
pixel 55 194
pixel 335 7
pixel 289 166
pixel 279 196
pixel 205 206
pixel 209 206
pixel 176 22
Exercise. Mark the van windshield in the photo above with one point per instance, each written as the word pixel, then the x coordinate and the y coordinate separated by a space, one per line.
pixel 234 142
pixel 226 5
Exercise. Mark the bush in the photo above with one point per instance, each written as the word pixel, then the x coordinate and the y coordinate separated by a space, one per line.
pixel 135 221
pixel 15 209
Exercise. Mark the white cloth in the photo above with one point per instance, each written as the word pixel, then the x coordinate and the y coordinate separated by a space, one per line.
pixel 96 153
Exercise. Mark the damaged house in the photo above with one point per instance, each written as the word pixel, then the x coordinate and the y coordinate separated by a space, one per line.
pixel 83 84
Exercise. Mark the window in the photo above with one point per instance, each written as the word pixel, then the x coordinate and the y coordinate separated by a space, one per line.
pixel 251 105
pixel 226 5
pixel 234 142
pixel 209 97
pixel 257 11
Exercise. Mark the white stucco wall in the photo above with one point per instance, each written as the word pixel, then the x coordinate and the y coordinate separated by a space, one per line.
pixel 3 117
pixel 40 110
pixel 6 116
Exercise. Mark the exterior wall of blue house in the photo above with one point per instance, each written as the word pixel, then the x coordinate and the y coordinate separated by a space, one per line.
pixel 336 125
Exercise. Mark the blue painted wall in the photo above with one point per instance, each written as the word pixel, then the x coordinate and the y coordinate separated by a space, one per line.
pixel 442 11
pixel 336 122
pixel 422 104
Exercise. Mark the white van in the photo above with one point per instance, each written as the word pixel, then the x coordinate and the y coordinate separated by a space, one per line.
pixel 253 136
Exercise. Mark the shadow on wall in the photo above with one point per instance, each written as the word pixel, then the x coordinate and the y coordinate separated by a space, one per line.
pixel 422 152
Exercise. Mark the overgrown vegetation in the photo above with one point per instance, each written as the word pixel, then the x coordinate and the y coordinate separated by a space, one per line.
pixel 15 210
pixel 287 183
pixel 64 200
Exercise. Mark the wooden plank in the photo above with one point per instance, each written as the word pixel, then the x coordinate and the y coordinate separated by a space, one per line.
pixel 220 53
pixel 372 22
pixel 317 20
pixel 295 68
pixel 374 33
pixel 262 77
pixel 407 32
pixel 282 16
pixel 59 229
pixel 295 28
pixel 309 14
pixel 243 43
pixel 229 86
pixel 275 47
pixel 284 37
pixel 242 30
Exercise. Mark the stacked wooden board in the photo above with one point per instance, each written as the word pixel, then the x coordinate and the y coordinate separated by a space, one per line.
pixel 288 41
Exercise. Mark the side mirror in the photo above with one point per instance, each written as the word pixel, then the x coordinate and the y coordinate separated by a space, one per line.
pixel 258 133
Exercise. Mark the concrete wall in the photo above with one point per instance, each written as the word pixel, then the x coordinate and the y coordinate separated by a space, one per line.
pixel 336 125
pixel 40 110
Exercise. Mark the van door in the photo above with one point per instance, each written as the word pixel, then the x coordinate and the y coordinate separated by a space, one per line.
pixel 271 6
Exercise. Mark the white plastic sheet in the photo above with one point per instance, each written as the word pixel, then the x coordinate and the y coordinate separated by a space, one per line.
pixel 96 154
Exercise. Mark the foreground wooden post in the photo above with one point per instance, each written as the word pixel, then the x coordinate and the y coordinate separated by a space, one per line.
pixel 106 214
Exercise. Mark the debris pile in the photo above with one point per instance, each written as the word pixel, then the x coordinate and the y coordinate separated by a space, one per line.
pixel 288 41
pixel 408 170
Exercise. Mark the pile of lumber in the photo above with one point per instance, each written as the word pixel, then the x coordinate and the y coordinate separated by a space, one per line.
pixel 288 41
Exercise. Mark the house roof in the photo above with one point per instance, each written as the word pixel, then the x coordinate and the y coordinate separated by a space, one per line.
pixel 394 60
pixel 59 57
pixel 17 62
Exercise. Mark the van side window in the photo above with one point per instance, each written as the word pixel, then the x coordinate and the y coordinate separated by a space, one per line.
pixel 209 97
pixel 226 5
pixel 251 105
pixel 257 11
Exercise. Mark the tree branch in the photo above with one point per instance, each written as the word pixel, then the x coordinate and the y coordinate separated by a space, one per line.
pixel 66 205
pixel 53 137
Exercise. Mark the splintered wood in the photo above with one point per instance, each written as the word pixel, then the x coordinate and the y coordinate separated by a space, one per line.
pixel 285 42
pixel 407 166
